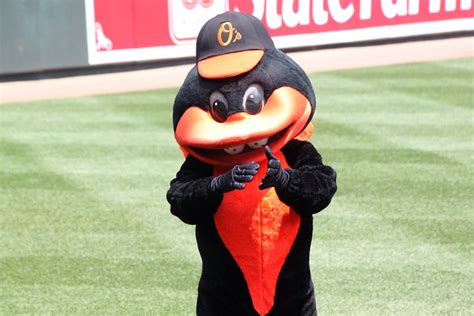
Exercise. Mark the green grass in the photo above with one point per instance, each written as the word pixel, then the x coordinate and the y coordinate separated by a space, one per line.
pixel 85 227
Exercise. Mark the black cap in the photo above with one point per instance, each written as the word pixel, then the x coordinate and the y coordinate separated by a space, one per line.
pixel 231 43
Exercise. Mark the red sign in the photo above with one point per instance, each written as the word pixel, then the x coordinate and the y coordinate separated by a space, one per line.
pixel 306 17
pixel 131 30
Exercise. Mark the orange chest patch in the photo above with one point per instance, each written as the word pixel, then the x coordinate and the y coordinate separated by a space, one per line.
pixel 258 230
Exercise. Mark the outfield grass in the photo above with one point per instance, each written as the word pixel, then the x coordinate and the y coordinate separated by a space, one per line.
pixel 85 226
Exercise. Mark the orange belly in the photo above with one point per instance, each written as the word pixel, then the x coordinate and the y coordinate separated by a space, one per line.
pixel 258 230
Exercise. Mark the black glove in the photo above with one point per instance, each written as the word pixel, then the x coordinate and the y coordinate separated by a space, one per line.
pixel 233 178
pixel 276 176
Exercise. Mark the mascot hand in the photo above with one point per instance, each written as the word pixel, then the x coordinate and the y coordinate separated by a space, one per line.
pixel 234 178
pixel 276 176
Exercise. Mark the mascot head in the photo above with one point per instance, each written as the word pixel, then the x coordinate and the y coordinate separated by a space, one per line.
pixel 242 94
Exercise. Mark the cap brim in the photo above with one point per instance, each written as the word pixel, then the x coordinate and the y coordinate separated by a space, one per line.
pixel 229 65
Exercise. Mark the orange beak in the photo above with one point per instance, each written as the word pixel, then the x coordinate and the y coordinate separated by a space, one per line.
pixel 284 116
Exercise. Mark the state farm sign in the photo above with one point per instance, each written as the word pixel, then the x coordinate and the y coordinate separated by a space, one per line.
pixel 134 30
pixel 318 22
pixel 290 14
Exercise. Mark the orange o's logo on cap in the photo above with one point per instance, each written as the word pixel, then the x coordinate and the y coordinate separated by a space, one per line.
pixel 227 34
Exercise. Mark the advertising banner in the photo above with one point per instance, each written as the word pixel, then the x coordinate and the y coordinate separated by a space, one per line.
pixel 139 30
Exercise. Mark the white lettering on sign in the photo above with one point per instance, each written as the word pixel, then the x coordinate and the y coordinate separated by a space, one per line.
pixel 315 11
pixel 365 9
pixel 413 7
pixel 400 8
pixel 320 16
pixel 435 6
pixel 187 17
pixel 392 9
pixel 466 5
pixel 258 8
pixel 273 18
pixel 340 14
pixel 449 5
pixel 291 18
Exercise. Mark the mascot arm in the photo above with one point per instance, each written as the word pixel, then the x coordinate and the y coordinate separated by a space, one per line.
pixel 189 194
pixel 311 184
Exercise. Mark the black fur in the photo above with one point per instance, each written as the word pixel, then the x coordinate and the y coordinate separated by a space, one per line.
pixel 222 288
pixel 274 70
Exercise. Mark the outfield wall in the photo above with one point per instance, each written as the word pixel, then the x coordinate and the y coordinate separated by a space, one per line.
pixel 55 34
pixel 41 35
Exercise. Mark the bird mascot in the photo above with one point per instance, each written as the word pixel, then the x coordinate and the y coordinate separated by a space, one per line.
pixel 251 180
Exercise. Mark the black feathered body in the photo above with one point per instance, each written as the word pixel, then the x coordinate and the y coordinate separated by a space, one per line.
pixel 222 288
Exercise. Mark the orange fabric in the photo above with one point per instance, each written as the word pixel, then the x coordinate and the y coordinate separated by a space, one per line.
pixel 229 65
pixel 285 108
pixel 184 151
pixel 258 230
pixel 306 134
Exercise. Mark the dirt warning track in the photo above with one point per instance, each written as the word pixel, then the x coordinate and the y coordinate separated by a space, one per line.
pixel 168 77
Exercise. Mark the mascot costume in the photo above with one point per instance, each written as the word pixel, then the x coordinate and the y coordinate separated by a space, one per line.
pixel 251 181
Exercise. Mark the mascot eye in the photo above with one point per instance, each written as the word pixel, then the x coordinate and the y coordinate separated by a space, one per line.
pixel 219 107
pixel 254 100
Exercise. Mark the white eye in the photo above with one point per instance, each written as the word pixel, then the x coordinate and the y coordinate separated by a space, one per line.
pixel 258 143
pixel 254 99
pixel 218 106
pixel 234 150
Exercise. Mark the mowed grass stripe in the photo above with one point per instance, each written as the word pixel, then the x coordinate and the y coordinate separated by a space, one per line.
pixel 85 226
pixel 110 301
pixel 401 124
